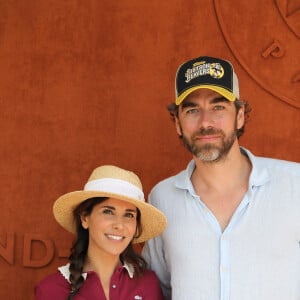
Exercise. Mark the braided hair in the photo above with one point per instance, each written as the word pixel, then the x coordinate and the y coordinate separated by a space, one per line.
pixel 80 247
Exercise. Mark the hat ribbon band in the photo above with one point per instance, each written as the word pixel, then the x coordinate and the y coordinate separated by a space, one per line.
pixel 115 186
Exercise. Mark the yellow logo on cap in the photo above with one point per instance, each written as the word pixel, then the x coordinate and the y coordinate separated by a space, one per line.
pixel 216 70
pixel 202 68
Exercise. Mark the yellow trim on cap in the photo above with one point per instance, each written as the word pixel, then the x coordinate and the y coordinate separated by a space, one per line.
pixel 228 95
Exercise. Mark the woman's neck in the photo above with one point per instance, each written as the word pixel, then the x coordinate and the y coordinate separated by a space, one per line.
pixel 101 263
pixel 104 266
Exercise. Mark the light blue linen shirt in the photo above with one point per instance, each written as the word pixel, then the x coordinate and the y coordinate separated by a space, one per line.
pixel 257 256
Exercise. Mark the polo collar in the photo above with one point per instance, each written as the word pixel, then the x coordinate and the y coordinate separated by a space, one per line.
pixel 65 272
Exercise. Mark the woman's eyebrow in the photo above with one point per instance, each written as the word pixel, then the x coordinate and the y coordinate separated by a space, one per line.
pixel 107 206
pixel 131 210
pixel 113 208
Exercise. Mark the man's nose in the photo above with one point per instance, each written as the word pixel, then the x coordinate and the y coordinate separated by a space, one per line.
pixel 205 119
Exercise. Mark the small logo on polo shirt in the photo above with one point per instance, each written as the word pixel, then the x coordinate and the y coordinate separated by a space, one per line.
pixel 137 297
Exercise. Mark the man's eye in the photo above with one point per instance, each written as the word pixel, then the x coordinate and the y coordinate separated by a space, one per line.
pixel 219 107
pixel 192 111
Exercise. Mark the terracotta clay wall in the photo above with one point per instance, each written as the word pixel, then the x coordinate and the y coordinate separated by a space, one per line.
pixel 86 83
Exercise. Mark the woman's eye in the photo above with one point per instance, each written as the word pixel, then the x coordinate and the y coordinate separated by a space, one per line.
pixel 129 215
pixel 107 211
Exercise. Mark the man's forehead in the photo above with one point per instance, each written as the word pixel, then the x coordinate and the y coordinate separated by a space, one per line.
pixel 199 96
pixel 203 92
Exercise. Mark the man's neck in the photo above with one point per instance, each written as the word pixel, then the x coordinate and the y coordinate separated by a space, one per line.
pixel 222 185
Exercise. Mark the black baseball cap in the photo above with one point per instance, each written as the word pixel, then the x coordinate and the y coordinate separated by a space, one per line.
pixel 206 72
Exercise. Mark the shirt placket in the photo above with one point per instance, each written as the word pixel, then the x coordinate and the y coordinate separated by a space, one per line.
pixel 225 248
pixel 114 289
pixel 224 267
pixel 224 244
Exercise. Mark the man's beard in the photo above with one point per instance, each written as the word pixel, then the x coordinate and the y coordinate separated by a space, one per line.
pixel 210 152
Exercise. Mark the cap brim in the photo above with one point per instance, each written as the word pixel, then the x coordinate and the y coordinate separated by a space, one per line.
pixel 153 220
pixel 227 94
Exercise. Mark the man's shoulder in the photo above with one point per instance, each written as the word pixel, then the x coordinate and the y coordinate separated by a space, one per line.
pixel 166 189
pixel 169 181
pixel 281 165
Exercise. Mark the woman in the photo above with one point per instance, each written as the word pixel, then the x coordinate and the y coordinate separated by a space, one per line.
pixel 108 216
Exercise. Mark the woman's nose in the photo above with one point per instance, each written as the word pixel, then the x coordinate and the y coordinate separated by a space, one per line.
pixel 118 223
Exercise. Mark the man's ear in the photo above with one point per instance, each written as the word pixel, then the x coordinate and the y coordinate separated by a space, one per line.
pixel 178 127
pixel 240 120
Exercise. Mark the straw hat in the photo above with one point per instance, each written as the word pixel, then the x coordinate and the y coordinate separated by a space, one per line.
pixel 114 182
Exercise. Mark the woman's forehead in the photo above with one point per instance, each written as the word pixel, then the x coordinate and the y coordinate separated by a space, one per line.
pixel 117 203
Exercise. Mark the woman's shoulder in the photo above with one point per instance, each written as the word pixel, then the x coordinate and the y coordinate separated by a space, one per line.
pixel 150 274
pixel 52 287
pixel 149 286
pixel 54 278
pixel 149 278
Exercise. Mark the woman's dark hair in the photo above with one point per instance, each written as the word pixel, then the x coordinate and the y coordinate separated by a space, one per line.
pixel 80 247
pixel 173 110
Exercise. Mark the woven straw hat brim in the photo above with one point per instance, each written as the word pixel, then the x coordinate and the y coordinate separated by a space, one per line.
pixel 153 221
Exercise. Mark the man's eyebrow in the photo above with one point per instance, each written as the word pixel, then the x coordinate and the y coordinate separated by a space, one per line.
pixel 219 99
pixel 189 103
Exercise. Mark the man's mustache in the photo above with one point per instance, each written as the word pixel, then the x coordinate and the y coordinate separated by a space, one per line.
pixel 208 131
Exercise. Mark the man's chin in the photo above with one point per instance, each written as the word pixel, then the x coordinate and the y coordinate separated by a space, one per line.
pixel 211 155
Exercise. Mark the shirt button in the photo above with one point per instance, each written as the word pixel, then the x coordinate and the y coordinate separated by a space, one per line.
pixel 223 269
pixel 114 286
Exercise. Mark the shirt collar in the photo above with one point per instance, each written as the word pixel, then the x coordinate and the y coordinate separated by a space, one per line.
pixel 129 268
pixel 259 173
pixel 64 270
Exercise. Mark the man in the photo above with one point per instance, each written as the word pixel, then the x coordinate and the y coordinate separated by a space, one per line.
pixel 233 218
